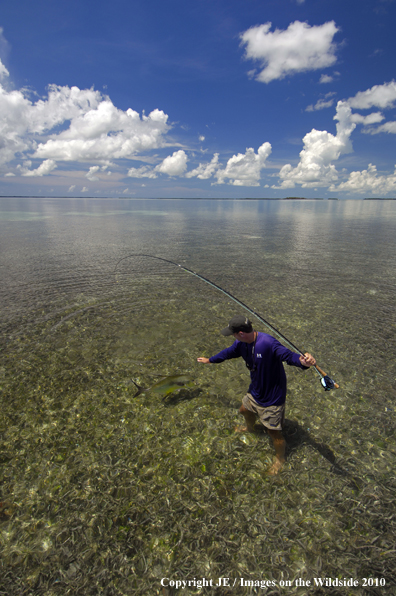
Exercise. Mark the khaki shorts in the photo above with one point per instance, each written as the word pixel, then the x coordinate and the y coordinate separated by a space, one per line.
pixel 271 417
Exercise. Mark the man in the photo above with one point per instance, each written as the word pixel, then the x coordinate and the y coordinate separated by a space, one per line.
pixel 264 356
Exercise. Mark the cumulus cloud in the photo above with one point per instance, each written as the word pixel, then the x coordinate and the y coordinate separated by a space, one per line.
pixel 43 169
pixel 245 169
pixel 93 170
pixel 96 129
pixel 325 79
pixel 174 165
pixel 3 71
pixel 379 96
pixel 241 170
pixel 205 171
pixel 106 132
pixel 369 182
pixel 389 127
pixel 299 48
pixel 13 125
pixel 321 104
pixel 91 173
pixel 321 148
pixel 372 118
pixel 142 172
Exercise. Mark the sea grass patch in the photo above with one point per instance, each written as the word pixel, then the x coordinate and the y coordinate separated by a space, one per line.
pixel 107 490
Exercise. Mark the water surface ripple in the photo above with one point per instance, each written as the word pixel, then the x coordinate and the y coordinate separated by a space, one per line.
pixel 107 493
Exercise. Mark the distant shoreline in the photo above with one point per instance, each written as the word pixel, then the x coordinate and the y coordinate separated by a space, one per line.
pixel 200 198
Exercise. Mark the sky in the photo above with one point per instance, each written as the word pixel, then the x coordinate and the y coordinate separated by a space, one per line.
pixel 204 99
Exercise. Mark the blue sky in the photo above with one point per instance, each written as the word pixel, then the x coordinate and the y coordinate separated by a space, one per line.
pixel 216 98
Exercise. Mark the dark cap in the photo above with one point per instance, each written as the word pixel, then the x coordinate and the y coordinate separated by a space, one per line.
pixel 237 324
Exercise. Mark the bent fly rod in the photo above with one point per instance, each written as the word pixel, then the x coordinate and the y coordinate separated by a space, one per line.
pixel 325 380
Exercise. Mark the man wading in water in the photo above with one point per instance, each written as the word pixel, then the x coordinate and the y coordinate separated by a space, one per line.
pixel 264 357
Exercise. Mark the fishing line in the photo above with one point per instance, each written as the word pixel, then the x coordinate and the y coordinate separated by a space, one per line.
pixel 325 380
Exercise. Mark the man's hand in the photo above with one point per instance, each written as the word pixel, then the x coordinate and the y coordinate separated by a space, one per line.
pixel 307 360
pixel 203 360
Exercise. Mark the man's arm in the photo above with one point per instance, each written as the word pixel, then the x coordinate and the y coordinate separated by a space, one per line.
pixel 226 354
pixel 292 358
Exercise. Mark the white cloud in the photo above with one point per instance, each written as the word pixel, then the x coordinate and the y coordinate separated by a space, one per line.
pixel 13 124
pixel 389 127
pixel 321 104
pixel 372 118
pixel 241 169
pixel 93 170
pixel 174 165
pixel 3 71
pixel 142 172
pixel 321 148
pixel 9 174
pixel 205 171
pixel 97 130
pixel 71 188
pixel 91 173
pixel 43 169
pixel 245 169
pixel 106 132
pixel 379 96
pixel 369 182
pixel 326 79
pixel 84 189
pixel 283 52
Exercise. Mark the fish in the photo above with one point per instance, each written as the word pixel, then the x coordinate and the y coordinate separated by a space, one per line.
pixel 171 384
pixel 167 385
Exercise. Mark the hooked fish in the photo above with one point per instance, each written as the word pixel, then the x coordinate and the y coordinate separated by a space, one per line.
pixel 171 384
pixel 167 385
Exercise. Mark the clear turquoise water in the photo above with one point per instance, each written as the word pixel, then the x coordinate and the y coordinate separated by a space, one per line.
pixel 107 493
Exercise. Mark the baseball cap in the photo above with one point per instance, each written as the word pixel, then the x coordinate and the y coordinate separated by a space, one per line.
pixel 236 324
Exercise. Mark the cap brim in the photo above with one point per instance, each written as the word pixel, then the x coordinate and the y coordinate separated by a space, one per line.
pixel 227 331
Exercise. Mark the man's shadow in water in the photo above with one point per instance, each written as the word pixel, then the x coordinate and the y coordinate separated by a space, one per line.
pixel 296 436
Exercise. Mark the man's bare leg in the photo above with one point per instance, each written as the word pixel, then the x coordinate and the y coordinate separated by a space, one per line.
pixel 276 436
pixel 280 448
pixel 250 419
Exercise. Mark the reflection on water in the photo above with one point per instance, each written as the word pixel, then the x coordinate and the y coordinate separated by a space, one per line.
pixel 106 489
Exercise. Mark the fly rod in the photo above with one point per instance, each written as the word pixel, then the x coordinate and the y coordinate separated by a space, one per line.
pixel 325 380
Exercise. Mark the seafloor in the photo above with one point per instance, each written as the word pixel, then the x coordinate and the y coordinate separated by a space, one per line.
pixel 107 493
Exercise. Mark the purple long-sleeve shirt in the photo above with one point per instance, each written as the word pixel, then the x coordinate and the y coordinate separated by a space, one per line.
pixel 265 359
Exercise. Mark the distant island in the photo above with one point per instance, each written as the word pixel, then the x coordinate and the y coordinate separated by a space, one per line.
pixel 302 199
pixel 201 198
pixel 181 198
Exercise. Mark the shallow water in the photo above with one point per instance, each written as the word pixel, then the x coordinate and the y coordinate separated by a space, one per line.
pixel 107 493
